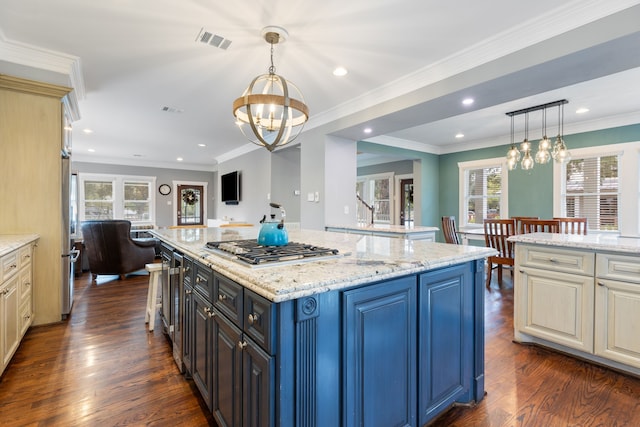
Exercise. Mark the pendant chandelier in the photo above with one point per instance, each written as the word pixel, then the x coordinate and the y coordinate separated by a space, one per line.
pixel 271 112
pixel 559 153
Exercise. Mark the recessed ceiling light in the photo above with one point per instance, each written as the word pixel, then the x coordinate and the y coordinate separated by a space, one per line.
pixel 582 110
pixel 179 159
pixel 87 131
pixel 459 135
pixel 91 150
pixel 368 130
pixel 467 101
pixel 202 145
pixel 340 71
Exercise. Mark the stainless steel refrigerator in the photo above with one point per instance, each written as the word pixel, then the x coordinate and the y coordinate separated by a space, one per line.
pixel 69 228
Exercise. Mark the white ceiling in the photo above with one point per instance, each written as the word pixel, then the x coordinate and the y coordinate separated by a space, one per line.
pixel 410 64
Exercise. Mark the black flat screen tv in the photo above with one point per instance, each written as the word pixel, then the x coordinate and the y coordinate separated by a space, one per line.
pixel 230 188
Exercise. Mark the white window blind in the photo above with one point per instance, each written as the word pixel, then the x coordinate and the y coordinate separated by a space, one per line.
pixel 483 195
pixel 591 189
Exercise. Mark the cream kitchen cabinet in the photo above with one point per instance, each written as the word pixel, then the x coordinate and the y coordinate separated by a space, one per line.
pixel 554 295
pixel 16 306
pixel 617 308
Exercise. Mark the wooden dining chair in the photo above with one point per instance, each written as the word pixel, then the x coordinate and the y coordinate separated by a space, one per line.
pixel 519 219
pixel 540 226
pixel 449 230
pixel 572 225
pixel 496 233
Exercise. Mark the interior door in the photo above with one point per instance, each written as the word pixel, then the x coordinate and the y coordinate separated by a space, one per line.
pixel 406 201
pixel 190 205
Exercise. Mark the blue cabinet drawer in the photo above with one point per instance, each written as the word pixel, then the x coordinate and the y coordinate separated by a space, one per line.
pixel 203 281
pixel 228 298
pixel 258 320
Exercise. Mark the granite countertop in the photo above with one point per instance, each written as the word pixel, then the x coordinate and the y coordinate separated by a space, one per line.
pixel 362 259
pixel 11 242
pixel 595 242
pixel 386 228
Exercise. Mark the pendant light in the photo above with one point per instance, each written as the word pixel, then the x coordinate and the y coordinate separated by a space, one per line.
pixel 527 160
pixel 543 156
pixel 513 155
pixel 271 112
pixel 560 152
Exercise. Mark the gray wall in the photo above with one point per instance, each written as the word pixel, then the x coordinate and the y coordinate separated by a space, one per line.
pixel 164 211
pixel 285 181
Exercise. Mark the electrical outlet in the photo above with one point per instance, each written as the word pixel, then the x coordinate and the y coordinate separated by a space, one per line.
pixel 316 197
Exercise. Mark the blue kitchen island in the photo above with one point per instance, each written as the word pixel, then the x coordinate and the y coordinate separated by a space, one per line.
pixel 385 332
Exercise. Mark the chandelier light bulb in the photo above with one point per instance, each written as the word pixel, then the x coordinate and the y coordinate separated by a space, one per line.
pixel 527 161
pixel 512 163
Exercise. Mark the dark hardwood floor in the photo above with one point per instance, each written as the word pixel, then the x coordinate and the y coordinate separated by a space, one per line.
pixel 102 367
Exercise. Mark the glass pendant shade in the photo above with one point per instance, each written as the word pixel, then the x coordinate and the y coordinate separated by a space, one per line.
pixel 560 152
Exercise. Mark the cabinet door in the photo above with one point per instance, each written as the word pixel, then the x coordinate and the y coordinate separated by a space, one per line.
pixel 380 354
pixel 617 320
pixel 202 333
pixel 445 341
pixel 187 329
pixel 557 307
pixel 10 326
pixel 227 373
pixel 257 388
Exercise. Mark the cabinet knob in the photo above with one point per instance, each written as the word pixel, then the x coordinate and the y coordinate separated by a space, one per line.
pixel 222 297
pixel 600 284
pixel 253 317
pixel 241 345
pixel 198 280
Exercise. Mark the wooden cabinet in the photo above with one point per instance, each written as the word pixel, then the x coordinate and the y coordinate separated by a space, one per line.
pixel 16 305
pixel 617 309
pixel 554 295
pixel 31 116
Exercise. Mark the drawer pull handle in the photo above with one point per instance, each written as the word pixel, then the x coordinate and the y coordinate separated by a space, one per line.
pixel 208 311
pixel 253 318
pixel 188 291
pixel 241 345
pixel 198 280
pixel 222 297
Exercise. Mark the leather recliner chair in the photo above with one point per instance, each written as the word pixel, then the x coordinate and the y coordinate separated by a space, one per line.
pixel 111 250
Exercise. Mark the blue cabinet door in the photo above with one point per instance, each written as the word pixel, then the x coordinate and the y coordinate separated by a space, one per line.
pixel 380 354
pixel 445 343
pixel 201 330
pixel 227 372
pixel 258 387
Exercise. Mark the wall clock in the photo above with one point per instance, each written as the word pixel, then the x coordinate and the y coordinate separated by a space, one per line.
pixel 164 189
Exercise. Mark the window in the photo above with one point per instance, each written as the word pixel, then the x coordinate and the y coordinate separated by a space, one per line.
pixel 483 191
pixel 600 183
pixel 377 191
pixel 117 197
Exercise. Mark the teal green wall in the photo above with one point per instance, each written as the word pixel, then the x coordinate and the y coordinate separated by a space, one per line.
pixel 430 211
pixel 530 192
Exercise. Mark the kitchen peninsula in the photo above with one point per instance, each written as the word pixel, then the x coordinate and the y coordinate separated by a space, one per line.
pixel 580 294
pixel 388 230
pixel 386 332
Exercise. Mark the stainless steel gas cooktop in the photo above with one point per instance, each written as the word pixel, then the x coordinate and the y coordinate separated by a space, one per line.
pixel 250 253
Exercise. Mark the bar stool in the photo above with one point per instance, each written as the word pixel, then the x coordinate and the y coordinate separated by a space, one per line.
pixel 154 301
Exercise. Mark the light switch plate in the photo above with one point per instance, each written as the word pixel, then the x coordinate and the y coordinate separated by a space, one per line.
pixel 309 197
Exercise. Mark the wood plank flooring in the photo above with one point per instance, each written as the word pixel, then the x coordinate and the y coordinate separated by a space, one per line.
pixel 102 367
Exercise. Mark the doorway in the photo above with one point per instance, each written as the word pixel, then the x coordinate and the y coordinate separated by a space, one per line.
pixel 406 202
pixel 190 204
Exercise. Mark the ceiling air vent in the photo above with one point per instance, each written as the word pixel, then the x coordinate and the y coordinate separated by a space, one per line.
pixel 172 109
pixel 214 40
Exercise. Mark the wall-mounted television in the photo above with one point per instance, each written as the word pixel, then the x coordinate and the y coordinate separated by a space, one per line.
pixel 230 188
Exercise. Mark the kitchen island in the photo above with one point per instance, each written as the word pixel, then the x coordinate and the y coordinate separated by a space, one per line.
pixel 386 332
pixel 580 295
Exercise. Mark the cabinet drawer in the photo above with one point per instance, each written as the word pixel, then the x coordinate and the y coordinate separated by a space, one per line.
pixel 563 260
pixel 26 317
pixel 25 284
pixel 618 267
pixel 203 281
pixel 258 319
pixel 228 298
pixel 9 265
pixel 188 269
pixel 25 256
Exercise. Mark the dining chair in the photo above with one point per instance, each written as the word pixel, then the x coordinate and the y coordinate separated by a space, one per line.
pixel 496 233
pixel 449 230
pixel 540 226
pixel 572 225
pixel 519 219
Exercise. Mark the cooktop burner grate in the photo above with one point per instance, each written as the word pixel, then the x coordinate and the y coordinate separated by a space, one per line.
pixel 254 254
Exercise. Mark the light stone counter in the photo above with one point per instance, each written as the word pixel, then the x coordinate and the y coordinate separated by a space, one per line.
pixel 388 230
pixel 595 242
pixel 11 242
pixel 363 259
